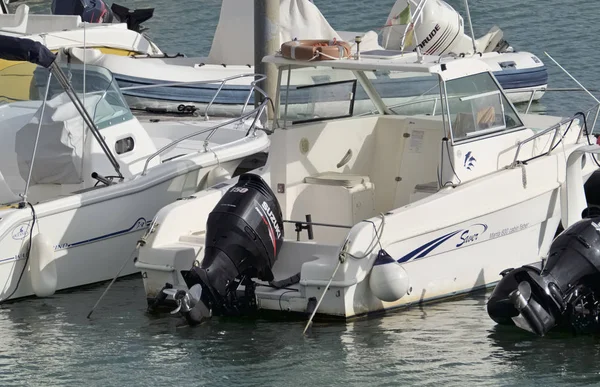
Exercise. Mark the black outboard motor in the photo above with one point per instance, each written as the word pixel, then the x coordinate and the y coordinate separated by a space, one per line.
pixel 91 11
pixel 134 18
pixel 244 234
pixel 96 11
pixel 563 292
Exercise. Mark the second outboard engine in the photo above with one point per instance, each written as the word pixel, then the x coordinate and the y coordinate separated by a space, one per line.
pixel 96 11
pixel 562 292
pixel 244 234
pixel 91 11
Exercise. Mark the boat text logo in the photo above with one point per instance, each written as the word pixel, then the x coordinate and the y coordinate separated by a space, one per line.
pixel 21 231
pixel 472 234
pixel 272 218
pixel 429 37
pixel 469 162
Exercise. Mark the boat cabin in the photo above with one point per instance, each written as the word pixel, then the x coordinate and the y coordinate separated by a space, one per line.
pixel 372 135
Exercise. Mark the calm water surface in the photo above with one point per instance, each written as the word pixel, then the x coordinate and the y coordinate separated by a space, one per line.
pixel 50 342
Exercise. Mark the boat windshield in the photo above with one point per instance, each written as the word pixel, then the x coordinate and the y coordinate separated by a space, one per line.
pixel 475 107
pixel 102 96
pixel 316 95
pixel 25 84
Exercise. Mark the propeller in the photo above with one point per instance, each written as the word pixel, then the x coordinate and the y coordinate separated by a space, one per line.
pixel 189 301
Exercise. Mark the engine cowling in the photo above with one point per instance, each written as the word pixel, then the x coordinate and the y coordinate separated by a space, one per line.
pixel 97 11
pixel 563 292
pixel 438 30
pixel 244 234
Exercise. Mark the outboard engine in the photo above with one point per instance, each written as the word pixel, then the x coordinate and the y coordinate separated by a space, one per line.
pixel 96 11
pixel 439 30
pixel 563 291
pixel 244 234
pixel 91 11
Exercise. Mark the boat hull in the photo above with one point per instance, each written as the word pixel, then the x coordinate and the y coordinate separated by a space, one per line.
pixel 90 241
pixel 512 237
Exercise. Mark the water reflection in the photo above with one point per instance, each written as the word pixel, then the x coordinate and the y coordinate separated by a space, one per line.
pixel 50 342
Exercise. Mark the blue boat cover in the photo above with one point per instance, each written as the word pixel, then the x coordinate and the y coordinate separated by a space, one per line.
pixel 19 49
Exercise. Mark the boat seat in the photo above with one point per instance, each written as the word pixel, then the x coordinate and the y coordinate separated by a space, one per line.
pixel 334 198
pixel 337 179
pixel 16 22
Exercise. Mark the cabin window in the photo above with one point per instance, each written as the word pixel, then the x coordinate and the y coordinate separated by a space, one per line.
pixel 406 93
pixel 310 102
pixel 124 145
pixel 478 107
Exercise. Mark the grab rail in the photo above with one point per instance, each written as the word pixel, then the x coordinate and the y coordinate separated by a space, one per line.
pixel 544 90
pixel 556 129
pixel 435 99
pixel 259 111
pixel 220 81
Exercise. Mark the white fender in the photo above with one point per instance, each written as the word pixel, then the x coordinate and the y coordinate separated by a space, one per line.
pixel 573 200
pixel 42 268
pixel 389 282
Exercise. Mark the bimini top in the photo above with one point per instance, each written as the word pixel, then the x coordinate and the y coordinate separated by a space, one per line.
pixel 447 67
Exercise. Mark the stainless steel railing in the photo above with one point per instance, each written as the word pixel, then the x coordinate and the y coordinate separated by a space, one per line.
pixel 222 82
pixel 556 129
pixel 257 113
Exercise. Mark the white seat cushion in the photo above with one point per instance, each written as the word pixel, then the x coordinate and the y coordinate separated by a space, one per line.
pixel 337 179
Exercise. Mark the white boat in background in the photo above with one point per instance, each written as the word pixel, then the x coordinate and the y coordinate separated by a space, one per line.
pixel 355 215
pixel 62 31
pixel 81 177
pixel 438 29
pixel 521 74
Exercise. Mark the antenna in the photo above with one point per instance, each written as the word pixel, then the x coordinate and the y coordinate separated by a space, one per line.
pixel 84 78
pixel 470 26
pixel 573 78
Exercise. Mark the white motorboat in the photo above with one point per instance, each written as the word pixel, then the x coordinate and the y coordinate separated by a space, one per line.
pixel 521 74
pixel 360 214
pixel 61 31
pixel 81 177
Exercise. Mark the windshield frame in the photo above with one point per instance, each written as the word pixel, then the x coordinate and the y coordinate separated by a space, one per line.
pixel 441 102
pixel 486 133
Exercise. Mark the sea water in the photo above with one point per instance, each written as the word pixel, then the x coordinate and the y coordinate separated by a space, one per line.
pixel 49 342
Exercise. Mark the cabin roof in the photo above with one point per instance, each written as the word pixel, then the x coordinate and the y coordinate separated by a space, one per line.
pixel 447 68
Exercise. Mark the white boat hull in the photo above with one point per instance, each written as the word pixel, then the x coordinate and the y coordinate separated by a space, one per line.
pixel 439 275
pixel 91 242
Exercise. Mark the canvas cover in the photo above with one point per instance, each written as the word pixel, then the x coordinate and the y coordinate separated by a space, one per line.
pixel 233 42
pixel 59 153
pixel 21 49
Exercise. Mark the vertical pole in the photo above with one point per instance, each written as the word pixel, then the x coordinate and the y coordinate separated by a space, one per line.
pixel 266 42
pixel 470 26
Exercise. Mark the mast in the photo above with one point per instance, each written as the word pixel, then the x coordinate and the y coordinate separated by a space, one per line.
pixel 266 42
